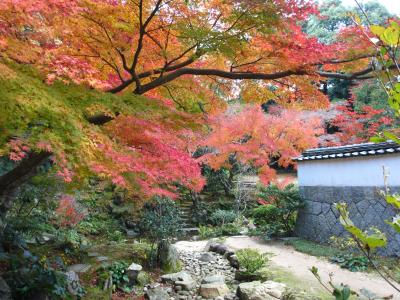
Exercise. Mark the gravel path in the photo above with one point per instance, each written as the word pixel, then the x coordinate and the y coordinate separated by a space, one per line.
pixel 298 264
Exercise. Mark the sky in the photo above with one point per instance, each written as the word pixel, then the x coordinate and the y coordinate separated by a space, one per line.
pixel 392 6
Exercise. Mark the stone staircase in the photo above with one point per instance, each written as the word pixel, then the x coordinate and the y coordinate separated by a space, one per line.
pixel 188 229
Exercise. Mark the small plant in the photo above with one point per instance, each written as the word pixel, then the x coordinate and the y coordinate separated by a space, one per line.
pixel 68 211
pixel 251 260
pixel 351 262
pixel 119 276
pixel 221 217
pixel 340 292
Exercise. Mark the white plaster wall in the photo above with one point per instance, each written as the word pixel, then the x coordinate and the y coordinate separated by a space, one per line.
pixel 357 171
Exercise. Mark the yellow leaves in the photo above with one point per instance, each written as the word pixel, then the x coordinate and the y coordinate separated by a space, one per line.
pixel 389 35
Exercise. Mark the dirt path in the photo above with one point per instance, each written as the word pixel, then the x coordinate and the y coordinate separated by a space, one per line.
pixel 298 265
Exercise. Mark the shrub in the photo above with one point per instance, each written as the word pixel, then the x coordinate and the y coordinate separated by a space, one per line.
pixel 28 276
pixel 201 213
pixel 160 219
pixel 229 229
pixel 287 202
pixel 160 222
pixel 251 260
pixel 265 214
pixel 221 217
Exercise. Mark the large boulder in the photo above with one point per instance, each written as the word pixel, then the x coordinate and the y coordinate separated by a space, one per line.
pixel 5 291
pixel 169 257
pixel 255 290
pixel 234 261
pixel 214 290
pixel 186 285
pixel 157 293
pixel 213 279
pixel 79 268
pixel 73 285
pixel 174 277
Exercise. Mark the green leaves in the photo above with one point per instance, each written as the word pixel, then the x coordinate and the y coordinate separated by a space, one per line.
pixel 368 241
pixel 393 200
pixel 395 223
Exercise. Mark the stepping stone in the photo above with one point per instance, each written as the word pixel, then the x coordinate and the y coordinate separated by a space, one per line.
pixel 101 258
pixel 79 268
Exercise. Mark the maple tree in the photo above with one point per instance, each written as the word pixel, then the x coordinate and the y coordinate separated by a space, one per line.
pixel 115 45
pixel 359 126
pixel 183 55
pixel 256 139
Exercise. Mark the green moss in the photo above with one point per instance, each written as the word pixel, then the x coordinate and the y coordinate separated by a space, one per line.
pixel 310 288
pixel 36 112
pixel 313 249
pixel 96 293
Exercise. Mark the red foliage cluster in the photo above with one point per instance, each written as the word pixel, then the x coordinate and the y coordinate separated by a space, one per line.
pixel 257 138
pixel 359 126
pixel 68 211
pixel 17 149
pixel 154 157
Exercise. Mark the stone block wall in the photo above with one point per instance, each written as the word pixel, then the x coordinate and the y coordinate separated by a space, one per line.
pixel 318 220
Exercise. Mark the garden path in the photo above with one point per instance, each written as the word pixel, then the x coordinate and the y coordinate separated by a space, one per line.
pixel 298 264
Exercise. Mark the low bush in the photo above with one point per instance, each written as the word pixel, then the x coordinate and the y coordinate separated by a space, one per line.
pixel 229 229
pixel 30 276
pixel 160 219
pixel 251 260
pixel 279 210
pixel 351 262
pixel 265 214
pixel 221 217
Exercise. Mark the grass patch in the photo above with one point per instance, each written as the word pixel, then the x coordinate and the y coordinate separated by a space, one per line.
pixel 313 249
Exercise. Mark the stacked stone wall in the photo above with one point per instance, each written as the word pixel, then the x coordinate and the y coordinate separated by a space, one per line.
pixel 318 220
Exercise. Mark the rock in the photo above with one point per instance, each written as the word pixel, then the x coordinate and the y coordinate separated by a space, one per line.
pixel 255 290
pixel 79 268
pixel 157 293
pixel 73 284
pixel 251 226
pixel 101 258
pixel 213 290
pixel 221 249
pixel 131 233
pixel 234 261
pixel 213 279
pixel 5 291
pixel 173 277
pixel 186 285
pixel 169 257
pixel 211 246
pixel 93 254
pixel 207 257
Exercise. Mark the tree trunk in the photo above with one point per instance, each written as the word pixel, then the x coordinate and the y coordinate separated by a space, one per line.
pixel 11 181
